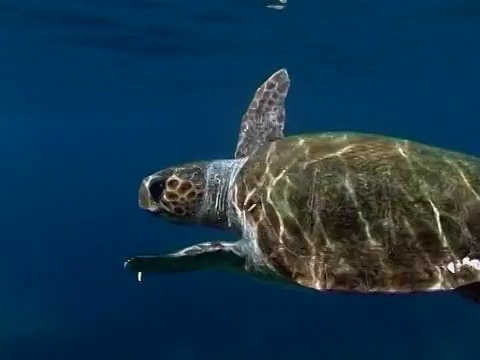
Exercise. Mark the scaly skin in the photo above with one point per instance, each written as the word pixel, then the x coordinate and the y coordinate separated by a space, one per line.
pixel 364 213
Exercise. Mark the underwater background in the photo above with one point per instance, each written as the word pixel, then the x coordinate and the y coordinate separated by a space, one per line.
pixel 96 94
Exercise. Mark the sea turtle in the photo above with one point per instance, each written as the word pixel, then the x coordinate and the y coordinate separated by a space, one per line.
pixel 329 211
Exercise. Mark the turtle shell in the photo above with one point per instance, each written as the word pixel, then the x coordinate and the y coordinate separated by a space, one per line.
pixel 363 213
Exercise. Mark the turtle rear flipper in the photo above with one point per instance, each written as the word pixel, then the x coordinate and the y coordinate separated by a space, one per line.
pixel 208 255
pixel 470 291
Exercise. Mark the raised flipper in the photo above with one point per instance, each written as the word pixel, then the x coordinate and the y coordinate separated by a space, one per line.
pixel 470 291
pixel 265 116
pixel 208 255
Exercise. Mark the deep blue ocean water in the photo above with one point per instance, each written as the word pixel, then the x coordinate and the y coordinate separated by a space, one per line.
pixel 94 95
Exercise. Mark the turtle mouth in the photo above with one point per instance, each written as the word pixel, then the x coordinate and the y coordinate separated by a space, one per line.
pixel 145 200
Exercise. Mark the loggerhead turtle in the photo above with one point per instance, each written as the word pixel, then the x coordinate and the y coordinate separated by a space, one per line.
pixel 328 211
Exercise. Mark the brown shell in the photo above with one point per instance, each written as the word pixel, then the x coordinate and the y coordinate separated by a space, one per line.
pixel 363 212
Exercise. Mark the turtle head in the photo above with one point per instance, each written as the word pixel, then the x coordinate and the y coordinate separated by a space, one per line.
pixel 175 193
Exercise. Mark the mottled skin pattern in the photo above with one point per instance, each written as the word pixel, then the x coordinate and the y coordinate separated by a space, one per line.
pixel 362 212
pixel 178 191
pixel 265 115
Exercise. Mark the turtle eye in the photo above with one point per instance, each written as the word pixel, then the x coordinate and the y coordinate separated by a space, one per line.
pixel 156 189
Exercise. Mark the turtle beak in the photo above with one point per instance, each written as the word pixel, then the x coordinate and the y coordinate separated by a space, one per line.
pixel 144 197
pixel 150 194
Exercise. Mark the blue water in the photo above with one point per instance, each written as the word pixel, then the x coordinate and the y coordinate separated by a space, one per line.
pixel 94 95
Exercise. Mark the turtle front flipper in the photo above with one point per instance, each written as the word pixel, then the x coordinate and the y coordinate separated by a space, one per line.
pixel 265 116
pixel 208 255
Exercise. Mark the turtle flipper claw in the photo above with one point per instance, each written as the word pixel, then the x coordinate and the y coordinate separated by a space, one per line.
pixel 144 263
